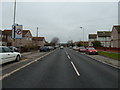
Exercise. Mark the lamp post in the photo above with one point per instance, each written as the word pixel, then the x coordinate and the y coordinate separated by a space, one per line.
pixel 14 12
pixel 13 27
pixel 83 34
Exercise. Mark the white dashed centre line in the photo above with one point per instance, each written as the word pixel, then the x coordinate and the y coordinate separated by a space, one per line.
pixel 68 57
pixel 75 69
pixel 78 74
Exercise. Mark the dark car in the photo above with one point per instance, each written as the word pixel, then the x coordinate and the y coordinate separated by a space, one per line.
pixel 44 49
pixel 91 50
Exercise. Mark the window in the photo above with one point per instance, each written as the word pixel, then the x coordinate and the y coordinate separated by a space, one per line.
pixel 6 49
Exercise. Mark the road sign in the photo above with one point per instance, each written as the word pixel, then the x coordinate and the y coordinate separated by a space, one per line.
pixel 17 31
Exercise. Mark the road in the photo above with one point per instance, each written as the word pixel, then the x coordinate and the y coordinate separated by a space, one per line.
pixel 64 68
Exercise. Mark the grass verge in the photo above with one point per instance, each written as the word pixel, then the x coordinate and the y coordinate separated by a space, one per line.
pixel 110 55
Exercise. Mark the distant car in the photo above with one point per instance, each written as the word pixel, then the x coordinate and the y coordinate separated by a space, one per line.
pixel 82 49
pixel 7 55
pixel 91 50
pixel 61 47
pixel 70 47
pixel 44 49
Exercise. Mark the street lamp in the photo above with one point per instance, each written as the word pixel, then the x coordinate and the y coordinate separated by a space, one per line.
pixel 83 34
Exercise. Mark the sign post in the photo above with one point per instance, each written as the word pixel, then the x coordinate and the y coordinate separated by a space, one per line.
pixel 17 31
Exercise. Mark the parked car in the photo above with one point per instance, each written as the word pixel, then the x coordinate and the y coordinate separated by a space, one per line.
pixel 7 55
pixel 57 46
pixel 14 48
pixel 44 49
pixel 50 48
pixel 82 49
pixel 76 48
pixel 91 50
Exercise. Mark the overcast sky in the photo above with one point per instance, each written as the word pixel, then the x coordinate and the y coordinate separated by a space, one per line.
pixel 62 19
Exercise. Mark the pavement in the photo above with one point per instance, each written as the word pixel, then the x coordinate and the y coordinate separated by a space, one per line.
pixel 25 59
pixel 105 60
pixel 64 68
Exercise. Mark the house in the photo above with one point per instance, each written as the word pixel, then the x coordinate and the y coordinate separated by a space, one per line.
pixel 104 37
pixel 91 38
pixel 6 38
pixel 25 41
pixel 115 37
pixel 39 41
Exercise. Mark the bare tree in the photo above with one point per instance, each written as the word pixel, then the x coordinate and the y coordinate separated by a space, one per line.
pixel 70 43
pixel 55 41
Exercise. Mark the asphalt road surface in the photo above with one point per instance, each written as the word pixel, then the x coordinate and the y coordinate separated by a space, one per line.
pixel 64 68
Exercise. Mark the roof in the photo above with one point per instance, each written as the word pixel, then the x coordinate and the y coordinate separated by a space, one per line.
pixel 38 38
pixel 104 33
pixel 92 36
pixel 25 32
pixel 9 32
pixel 117 27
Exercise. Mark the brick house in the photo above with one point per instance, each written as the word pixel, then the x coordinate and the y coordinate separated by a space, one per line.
pixel 91 38
pixel 39 41
pixel 104 37
pixel 25 41
pixel 115 37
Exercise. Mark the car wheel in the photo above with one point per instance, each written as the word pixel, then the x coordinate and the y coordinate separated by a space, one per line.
pixel 18 58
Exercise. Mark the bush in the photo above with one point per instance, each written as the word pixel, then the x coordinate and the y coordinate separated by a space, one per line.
pixel 96 44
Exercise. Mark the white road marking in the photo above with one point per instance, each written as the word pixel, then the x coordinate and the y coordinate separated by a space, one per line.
pixel 68 56
pixel 8 74
pixel 75 69
pixel 73 64
pixel 66 52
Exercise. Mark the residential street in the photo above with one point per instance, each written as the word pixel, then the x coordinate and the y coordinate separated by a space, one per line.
pixel 64 68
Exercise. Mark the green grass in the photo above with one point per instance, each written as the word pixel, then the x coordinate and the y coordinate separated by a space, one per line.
pixel 110 55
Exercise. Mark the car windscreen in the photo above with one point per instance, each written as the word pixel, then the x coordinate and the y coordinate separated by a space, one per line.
pixel 6 49
pixel 82 48
pixel 91 48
